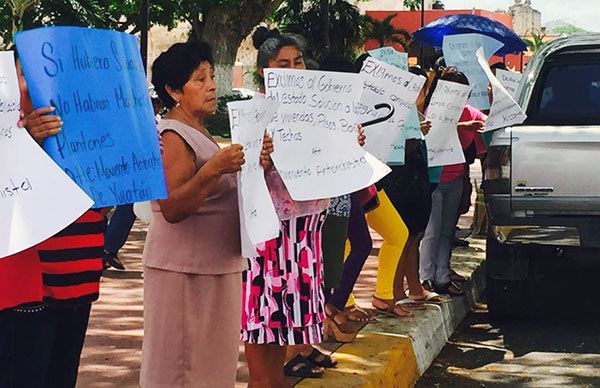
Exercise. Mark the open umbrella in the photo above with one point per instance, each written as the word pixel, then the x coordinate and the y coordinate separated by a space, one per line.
pixel 433 33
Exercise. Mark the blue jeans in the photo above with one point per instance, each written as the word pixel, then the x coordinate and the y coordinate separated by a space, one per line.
pixel 118 228
pixel 436 246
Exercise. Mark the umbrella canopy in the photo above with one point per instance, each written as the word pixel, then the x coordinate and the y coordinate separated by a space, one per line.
pixel 433 33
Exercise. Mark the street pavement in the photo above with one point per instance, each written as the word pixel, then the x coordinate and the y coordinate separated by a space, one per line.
pixel 543 351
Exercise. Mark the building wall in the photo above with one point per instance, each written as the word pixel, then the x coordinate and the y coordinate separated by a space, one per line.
pixel 526 20
pixel 385 5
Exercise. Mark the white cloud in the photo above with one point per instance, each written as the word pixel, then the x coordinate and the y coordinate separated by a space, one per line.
pixel 582 13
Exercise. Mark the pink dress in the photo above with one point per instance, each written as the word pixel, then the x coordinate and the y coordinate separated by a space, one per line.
pixel 282 291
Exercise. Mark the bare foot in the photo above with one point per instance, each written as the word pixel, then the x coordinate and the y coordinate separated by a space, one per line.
pixel 389 307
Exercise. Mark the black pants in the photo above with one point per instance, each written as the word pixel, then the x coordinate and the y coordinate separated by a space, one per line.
pixel 41 349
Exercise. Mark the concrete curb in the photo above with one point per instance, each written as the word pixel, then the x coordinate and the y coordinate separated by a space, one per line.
pixel 395 353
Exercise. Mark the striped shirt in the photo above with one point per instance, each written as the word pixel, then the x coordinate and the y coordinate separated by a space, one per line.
pixel 72 261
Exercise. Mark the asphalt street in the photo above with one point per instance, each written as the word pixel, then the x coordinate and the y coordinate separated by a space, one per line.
pixel 544 351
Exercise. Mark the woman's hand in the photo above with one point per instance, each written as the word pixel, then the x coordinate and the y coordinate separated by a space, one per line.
pixel 40 124
pixel 425 127
pixel 473 125
pixel 227 160
pixel 361 136
pixel 265 154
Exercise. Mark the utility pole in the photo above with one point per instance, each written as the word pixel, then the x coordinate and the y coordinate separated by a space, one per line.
pixel 325 20
pixel 145 18
pixel 422 24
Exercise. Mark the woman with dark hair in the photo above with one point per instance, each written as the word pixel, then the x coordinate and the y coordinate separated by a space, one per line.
pixel 192 261
pixel 436 246
pixel 282 299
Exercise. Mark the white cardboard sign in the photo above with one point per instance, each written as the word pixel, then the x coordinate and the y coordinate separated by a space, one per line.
pixel 248 121
pixel 459 51
pixel 37 199
pixel 504 111
pixel 315 132
pixel 510 80
pixel 388 97
pixel 444 111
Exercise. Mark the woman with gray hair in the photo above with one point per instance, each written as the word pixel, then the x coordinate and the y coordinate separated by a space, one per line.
pixel 282 291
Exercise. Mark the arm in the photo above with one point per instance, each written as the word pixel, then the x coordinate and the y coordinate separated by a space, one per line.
pixel 188 189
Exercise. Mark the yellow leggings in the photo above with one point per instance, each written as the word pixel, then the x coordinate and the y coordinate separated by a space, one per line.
pixel 386 221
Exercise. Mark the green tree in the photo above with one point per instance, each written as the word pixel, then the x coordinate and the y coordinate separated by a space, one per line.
pixel 222 23
pixel 536 42
pixel 384 32
pixel 346 26
pixel 413 5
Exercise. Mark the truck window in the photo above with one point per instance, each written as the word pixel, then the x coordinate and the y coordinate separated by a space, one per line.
pixel 568 94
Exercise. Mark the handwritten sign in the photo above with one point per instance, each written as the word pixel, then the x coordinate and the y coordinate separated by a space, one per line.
pixel 445 108
pixel 391 56
pixel 510 80
pixel 315 134
pixel 96 81
pixel 249 120
pixel 389 94
pixel 459 51
pixel 37 199
pixel 504 111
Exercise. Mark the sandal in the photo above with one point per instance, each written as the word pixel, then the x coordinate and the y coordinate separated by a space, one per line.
pixel 341 331
pixel 356 314
pixel 391 309
pixel 411 304
pixel 299 366
pixel 451 289
pixel 430 297
pixel 456 277
pixel 326 361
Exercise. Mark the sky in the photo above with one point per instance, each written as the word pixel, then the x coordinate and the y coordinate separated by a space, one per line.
pixel 582 13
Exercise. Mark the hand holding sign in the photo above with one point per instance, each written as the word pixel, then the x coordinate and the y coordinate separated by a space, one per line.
pixel 37 199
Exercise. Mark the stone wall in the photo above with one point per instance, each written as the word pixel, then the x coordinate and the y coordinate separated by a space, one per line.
pixel 526 20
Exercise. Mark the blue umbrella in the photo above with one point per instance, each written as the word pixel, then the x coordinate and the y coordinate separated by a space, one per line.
pixel 433 33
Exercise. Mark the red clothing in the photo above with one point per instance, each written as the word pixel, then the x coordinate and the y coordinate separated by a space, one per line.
pixel 71 261
pixel 65 269
pixel 466 137
pixel 20 279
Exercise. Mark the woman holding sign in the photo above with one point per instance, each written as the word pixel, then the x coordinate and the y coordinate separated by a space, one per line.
pixel 282 300
pixel 192 262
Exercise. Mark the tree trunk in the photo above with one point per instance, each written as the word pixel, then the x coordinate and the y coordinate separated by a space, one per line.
pixel 224 42
pixel 225 28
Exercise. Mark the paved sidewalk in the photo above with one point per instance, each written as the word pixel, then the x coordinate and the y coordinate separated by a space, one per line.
pixel 391 352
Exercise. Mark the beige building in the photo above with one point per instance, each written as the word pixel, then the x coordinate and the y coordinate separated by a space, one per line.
pixel 526 20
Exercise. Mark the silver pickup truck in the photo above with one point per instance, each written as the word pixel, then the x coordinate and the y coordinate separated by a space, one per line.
pixel 542 178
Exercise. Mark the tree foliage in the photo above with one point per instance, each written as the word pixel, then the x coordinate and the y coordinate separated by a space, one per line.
pixel 384 32
pixel 536 41
pixel 346 26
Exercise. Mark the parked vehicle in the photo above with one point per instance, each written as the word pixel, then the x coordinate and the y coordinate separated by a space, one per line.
pixel 542 179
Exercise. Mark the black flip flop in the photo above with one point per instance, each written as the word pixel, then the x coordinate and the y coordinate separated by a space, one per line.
pixel 305 370
pixel 327 361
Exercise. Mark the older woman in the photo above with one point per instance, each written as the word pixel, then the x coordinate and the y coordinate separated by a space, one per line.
pixel 192 262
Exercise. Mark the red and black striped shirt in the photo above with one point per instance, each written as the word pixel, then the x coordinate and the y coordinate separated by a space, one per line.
pixel 71 261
